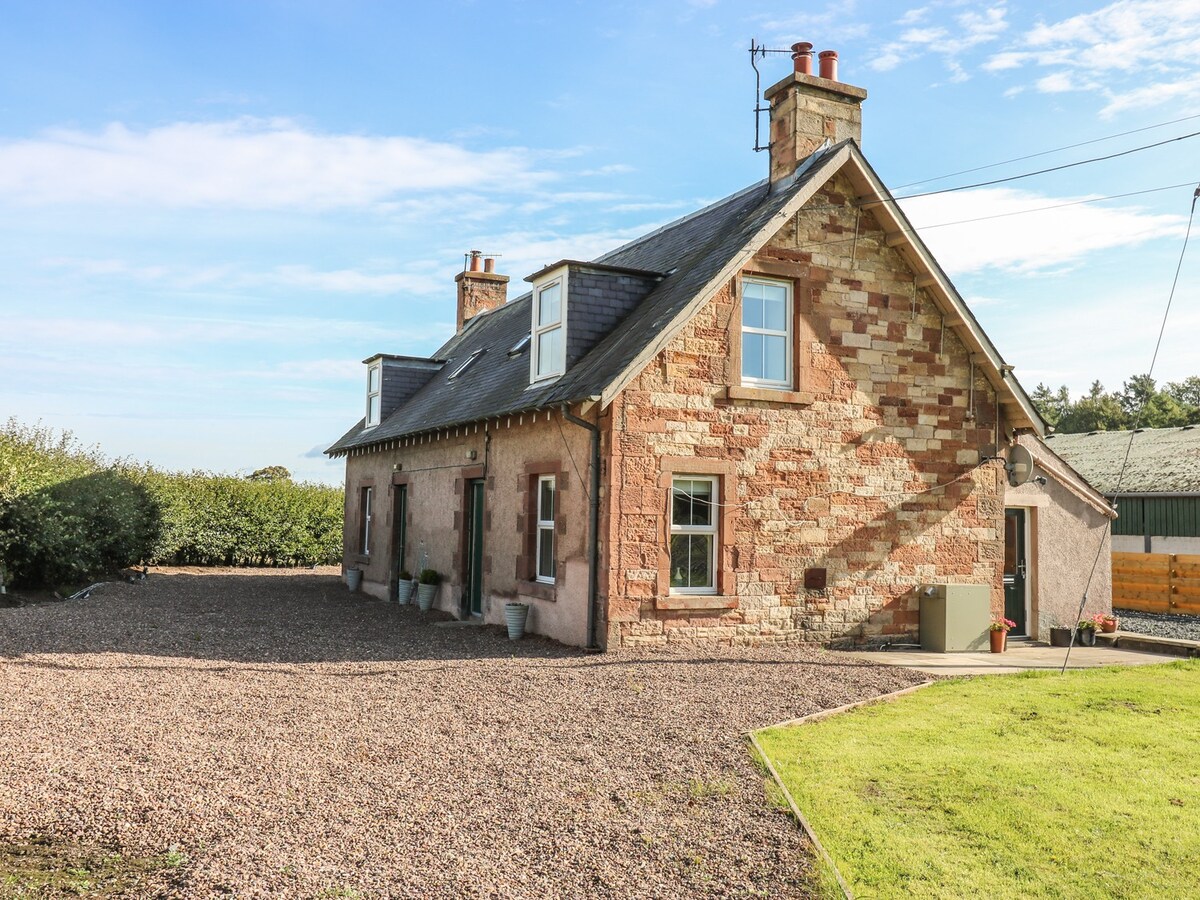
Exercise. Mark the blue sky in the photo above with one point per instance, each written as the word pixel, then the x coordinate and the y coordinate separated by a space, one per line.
pixel 211 212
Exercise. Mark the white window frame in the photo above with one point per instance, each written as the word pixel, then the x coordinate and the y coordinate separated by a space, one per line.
pixel 712 530
pixel 376 370
pixel 787 334
pixel 367 495
pixel 544 524
pixel 537 329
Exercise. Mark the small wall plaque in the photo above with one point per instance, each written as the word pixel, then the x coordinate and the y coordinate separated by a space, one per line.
pixel 814 579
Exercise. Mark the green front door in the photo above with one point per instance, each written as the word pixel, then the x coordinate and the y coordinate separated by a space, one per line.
pixel 473 601
pixel 399 536
pixel 1015 569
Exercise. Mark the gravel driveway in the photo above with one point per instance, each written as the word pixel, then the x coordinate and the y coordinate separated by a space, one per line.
pixel 292 739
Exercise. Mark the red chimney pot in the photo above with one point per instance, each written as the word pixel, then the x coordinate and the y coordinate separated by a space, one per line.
pixel 475 257
pixel 802 57
pixel 828 62
pixel 489 264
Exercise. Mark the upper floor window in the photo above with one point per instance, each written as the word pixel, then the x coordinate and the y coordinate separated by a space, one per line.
pixel 374 394
pixel 545 529
pixel 767 333
pixel 549 356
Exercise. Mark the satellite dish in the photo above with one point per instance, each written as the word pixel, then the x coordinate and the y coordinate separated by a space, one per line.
pixel 1019 465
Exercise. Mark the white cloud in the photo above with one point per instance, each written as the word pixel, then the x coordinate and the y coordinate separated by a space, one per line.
pixel 247 164
pixel 75 333
pixel 951 40
pixel 303 277
pixel 1133 53
pixel 1033 242
pixel 1055 83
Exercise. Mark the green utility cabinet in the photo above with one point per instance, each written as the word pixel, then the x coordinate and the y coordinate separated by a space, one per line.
pixel 955 617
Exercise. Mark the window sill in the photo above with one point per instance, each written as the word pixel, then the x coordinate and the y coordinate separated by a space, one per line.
pixel 362 557
pixel 769 395
pixel 696 601
pixel 539 590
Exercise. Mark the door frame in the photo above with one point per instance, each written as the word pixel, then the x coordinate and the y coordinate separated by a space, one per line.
pixel 1026 543
pixel 474 503
pixel 399 535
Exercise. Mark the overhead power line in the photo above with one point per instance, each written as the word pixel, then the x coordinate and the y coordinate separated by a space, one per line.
pixel 1137 421
pixel 1070 165
pixel 1006 162
pixel 1021 212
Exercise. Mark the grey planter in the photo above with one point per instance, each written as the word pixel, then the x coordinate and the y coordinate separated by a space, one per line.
pixel 426 593
pixel 404 592
pixel 1086 637
pixel 1060 637
pixel 515 617
pixel 353 579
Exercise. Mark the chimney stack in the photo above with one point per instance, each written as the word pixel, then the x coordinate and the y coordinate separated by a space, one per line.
pixel 480 289
pixel 807 110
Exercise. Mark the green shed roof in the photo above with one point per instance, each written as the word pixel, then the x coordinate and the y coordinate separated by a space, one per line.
pixel 1161 460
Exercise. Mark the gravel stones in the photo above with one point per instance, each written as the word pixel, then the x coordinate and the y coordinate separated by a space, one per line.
pixel 293 739
pixel 1164 625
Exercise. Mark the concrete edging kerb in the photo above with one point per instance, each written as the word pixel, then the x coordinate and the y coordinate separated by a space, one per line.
pixel 799 816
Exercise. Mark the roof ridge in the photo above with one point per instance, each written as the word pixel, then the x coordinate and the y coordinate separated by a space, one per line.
pixel 680 221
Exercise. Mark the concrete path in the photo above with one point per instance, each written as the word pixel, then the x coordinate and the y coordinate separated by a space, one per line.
pixel 1020 657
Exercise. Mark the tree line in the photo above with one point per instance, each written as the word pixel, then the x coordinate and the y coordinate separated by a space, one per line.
pixel 68 513
pixel 1140 403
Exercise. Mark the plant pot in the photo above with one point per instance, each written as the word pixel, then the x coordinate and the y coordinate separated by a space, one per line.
pixel 1109 627
pixel 353 579
pixel 1060 637
pixel 515 616
pixel 426 593
pixel 1086 637
pixel 404 592
pixel 998 639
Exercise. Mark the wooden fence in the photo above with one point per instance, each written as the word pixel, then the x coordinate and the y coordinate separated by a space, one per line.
pixel 1157 582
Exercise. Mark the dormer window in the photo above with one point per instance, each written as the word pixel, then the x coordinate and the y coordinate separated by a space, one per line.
pixel 374 393
pixel 549 356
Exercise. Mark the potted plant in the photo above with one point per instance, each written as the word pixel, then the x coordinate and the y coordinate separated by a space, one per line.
pixel 1060 636
pixel 1106 622
pixel 998 633
pixel 404 588
pixel 427 588
pixel 515 616
pixel 1085 633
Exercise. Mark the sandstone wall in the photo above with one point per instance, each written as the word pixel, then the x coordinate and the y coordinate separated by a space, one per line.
pixel 868 470
pixel 437 471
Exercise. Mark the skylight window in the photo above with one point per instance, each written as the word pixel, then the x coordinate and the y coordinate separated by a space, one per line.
pixel 467 364
pixel 520 345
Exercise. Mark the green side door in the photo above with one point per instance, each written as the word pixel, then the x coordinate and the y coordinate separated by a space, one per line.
pixel 474 573
pixel 1015 569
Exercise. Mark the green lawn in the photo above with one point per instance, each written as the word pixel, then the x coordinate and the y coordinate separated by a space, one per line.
pixel 1036 785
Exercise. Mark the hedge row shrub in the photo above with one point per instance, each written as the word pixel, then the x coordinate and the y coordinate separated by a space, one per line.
pixel 68 514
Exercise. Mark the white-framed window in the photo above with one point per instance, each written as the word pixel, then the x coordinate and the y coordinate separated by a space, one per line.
pixel 694 550
pixel 367 497
pixel 549 352
pixel 767 333
pixel 546 499
pixel 374 394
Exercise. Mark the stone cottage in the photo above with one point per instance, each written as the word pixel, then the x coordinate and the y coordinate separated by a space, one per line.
pixel 772 420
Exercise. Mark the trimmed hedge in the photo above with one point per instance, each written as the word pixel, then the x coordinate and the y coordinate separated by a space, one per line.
pixel 226 520
pixel 68 514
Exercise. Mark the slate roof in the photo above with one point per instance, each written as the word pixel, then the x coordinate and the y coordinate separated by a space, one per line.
pixel 687 253
pixel 1161 460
